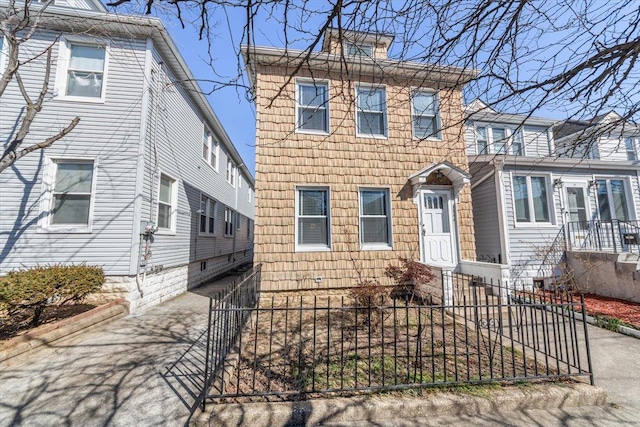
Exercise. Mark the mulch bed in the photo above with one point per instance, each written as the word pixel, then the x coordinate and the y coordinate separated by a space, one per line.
pixel 626 311
pixel 19 323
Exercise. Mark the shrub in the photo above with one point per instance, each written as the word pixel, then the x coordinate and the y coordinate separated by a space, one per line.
pixel 412 278
pixel 39 287
pixel 369 294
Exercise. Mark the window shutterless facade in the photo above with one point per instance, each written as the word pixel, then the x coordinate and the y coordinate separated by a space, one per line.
pixel 358 49
pixel 630 148
pixel 84 70
pixel 228 222
pixel 612 199
pixel 210 149
pixel 312 107
pixel 498 140
pixel 166 219
pixel 312 218
pixel 425 114
pixel 375 219
pixel 71 193
pixel 207 215
pixel 371 111
pixel 231 172
pixel 531 199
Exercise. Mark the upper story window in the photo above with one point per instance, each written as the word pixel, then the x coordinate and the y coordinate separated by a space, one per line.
pixel 630 148
pixel 371 109
pixel 312 218
pixel 425 115
pixel 71 194
pixel 375 219
pixel 210 149
pixel 530 194
pixel 167 202
pixel 312 107
pixel 207 215
pixel 81 73
pixel 358 49
pixel 3 54
pixel 231 172
pixel 498 140
pixel 249 195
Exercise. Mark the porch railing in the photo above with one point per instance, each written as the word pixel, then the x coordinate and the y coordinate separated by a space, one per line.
pixel 606 236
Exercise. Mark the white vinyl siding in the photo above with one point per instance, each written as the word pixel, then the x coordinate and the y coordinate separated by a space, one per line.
pixel 371 111
pixel 312 219
pixel 425 115
pixel 312 107
pixel 375 219
pixel 531 199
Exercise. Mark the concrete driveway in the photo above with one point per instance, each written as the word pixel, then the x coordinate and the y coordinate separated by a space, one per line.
pixel 135 371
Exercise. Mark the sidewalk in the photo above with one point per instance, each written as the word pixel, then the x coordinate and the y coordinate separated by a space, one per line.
pixel 131 372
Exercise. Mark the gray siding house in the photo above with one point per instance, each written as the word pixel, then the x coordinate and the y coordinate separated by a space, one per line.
pixel 148 185
pixel 535 196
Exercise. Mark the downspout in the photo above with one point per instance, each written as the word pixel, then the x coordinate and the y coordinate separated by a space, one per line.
pixel 502 216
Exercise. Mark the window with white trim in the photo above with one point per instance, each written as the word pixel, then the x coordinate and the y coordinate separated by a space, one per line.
pixel 630 148
pixel 228 222
pixel 425 114
pixel 231 172
pixel 3 54
pixel 207 215
pixel 71 193
pixel 492 139
pixel 358 49
pixel 250 195
pixel 82 70
pixel 249 228
pixel 312 107
pixel 371 111
pixel 531 199
pixel 375 218
pixel 210 149
pixel 612 199
pixel 166 203
pixel 312 218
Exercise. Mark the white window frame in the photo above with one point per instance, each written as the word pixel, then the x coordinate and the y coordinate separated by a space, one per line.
pixel 229 217
pixel 231 172
pixel 384 112
pixel 3 53
pixel 312 247
pixel 310 82
pixel 631 151
pixel 358 49
pixel 206 212
pixel 510 134
pixel 551 210
pixel 64 59
pixel 174 204
pixel 379 245
pixel 249 195
pixel 47 199
pixel 437 136
pixel 628 195
pixel 209 141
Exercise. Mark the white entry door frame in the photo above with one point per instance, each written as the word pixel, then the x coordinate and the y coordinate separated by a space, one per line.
pixel 438 227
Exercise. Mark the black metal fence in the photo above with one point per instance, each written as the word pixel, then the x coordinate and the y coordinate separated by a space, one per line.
pixel 312 345
pixel 610 236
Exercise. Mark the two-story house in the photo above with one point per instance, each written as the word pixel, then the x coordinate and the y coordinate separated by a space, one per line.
pixel 360 159
pixel 148 185
pixel 541 187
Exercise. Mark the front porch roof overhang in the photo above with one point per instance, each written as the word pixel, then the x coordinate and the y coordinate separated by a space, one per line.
pixel 457 176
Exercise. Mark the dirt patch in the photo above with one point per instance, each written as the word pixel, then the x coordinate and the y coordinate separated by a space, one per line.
pixel 628 312
pixel 19 323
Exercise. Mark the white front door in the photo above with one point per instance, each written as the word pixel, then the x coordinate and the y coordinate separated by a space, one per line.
pixel 438 244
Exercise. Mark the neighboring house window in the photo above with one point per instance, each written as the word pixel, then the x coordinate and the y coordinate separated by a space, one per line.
pixel 612 199
pixel 3 54
pixel 207 215
pixel 500 142
pixel 231 172
pixel 312 107
pixel 210 149
pixel 71 193
pixel 530 194
pixel 517 146
pixel 312 218
pixel 629 144
pixel 249 227
pixel 425 114
pixel 228 222
pixel 359 49
pixel 85 70
pixel 239 220
pixel 371 111
pixel 166 203
pixel 249 195
pixel 240 179
pixel 481 140
pixel 375 218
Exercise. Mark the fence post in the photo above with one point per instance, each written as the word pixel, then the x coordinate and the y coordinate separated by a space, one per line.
pixel 206 358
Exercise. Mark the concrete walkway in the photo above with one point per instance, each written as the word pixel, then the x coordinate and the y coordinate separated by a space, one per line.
pixel 135 371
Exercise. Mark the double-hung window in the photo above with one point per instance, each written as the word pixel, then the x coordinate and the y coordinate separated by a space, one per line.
pixel 228 222
pixel 424 109
pixel 210 149
pixel 531 198
pixel 481 140
pixel 71 193
pixel 612 199
pixel 85 71
pixel 167 203
pixel 207 215
pixel 312 218
pixel 375 218
pixel 358 49
pixel 630 148
pixel 231 172
pixel 499 140
pixel 312 107
pixel 371 109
